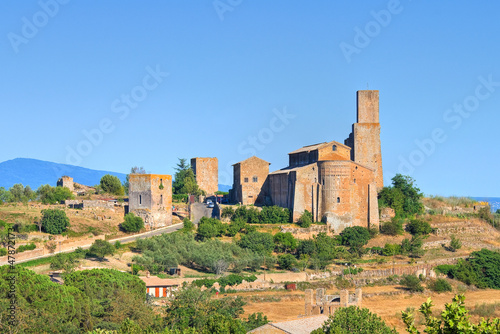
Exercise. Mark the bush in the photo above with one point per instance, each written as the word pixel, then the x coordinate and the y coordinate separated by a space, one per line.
pixel 227 212
pixel 411 283
pixel 261 243
pixel 23 248
pixel 305 220
pixel 353 319
pixel 394 227
pixel 418 227
pixel 355 236
pixel 101 248
pixel 188 225
pixel 439 285
pixel 274 215
pixel 285 242
pixel 53 195
pixel 112 184
pixel 132 223
pixel 118 245
pixel 455 244
pixel 391 250
pixel 287 261
pixel 209 228
pixel 3 251
pixel 54 221
pixel 180 198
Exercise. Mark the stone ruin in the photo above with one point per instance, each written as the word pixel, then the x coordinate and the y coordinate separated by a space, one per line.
pixel 327 304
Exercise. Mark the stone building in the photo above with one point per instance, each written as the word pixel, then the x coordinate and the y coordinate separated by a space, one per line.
pixel 66 181
pixel 249 180
pixel 327 304
pixel 336 182
pixel 206 171
pixel 150 197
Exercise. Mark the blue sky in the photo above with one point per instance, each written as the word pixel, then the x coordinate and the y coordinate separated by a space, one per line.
pixel 152 81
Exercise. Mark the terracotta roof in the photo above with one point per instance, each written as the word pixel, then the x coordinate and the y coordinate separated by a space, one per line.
pixel 303 325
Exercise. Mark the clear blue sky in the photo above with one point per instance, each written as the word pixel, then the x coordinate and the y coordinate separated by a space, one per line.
pixel 152 81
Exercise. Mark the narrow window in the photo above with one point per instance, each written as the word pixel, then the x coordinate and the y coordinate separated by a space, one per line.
pixel 334 147
pixel 140 199
pixel 255 179
pixel 161 199
pixel 246 179
pixel 338 199
pixel 354 180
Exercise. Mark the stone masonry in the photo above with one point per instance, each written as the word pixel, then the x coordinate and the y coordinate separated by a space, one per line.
pixel 249 181
pixel 66 181
pixel 150 197
pixel 327 304
pixel 206 171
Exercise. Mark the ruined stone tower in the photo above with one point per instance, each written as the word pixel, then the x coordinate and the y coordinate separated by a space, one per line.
pixel 66 181
pixel 150 197
pixel 365 137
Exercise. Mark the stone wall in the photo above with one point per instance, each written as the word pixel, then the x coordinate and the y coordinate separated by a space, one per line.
pixel 89 204
pixel 249 183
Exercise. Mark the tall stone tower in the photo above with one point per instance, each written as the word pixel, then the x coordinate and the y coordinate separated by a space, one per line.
pixel 207 174
pixel 365 137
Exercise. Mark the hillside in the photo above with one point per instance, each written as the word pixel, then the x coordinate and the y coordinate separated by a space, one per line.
pixel 35 173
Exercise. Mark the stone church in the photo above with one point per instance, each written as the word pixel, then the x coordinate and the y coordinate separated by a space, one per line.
pixel 336 182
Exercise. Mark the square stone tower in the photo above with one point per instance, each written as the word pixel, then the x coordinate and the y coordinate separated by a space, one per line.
pixel 66 181
pixel 365 137
pixel 206 171
pixel 150 197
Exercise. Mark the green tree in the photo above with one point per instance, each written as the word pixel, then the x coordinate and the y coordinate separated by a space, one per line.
pixel 454 319
pixel 261 243
pixel 101 248
pixel 53 195
pixel 112 184
pixel 352 319
pixel 439 285
pixel 43 306
pixel 285 242
pixel 193 308
pixel 133 170
pixel 210 228
pixel 355 237
pixel 4 195
pixel 54 221
pixel 306 219
pixel 132 223
pixel 274 215
pixel 413 246
pixel 188 225
pixel 403 196
pixel 66 261
pixel 287 261
pixel 185 180
pixel 255 320
pixel 227 212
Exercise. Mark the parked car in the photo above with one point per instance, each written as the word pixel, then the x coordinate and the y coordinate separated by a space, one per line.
pixel 211 205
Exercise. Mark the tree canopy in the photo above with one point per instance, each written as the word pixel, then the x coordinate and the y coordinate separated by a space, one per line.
pixel 112 184
pixel 403 196
pixel 185 180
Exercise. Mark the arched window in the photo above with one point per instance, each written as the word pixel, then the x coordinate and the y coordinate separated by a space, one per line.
pixel 334 147
pixel 338 199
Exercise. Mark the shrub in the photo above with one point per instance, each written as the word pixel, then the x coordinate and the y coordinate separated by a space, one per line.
pixel 209 228
pixel 188 225
pixel 258 242
pixel 3 251
pixel 227 212
pixel 23 248
pixel 353 319
pixel 132 223
pixel 101 248
pixel 305 220
pixel 411 283
pixel 112 184
pixel 455 244
pixel 355 236
pixel 391 250
pixel 444 269
pixel 285 242
pixel 274 215
pixel 418 227
pixel 287 261
pixel 54 221
pixel 180 198
pixel 439 285
pixel 394 227
pixel 118 245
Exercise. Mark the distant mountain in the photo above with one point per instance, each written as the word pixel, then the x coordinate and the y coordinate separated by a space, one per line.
pixel 35 173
